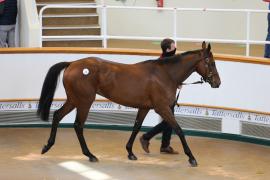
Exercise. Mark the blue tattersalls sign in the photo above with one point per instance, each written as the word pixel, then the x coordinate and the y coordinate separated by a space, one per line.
pixel 7 106
pixel 103 106
pixel 113 107
pixel 225 113
pixel 185 110
pixel 262 119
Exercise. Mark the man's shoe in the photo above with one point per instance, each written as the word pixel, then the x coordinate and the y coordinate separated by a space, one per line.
pixel 145 144
pixel 168 150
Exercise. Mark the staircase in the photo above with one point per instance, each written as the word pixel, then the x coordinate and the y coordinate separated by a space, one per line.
pixel 69 22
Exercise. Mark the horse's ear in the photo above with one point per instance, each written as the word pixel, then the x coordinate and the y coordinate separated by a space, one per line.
pixel 203 45
pixel 209 48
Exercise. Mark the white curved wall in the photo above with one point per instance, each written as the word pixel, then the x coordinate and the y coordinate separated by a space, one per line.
pixel 243 85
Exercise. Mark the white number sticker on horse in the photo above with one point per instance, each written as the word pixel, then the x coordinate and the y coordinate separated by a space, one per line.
pixel 86 71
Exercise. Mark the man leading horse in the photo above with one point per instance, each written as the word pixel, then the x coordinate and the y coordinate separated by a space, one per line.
pixel 168 49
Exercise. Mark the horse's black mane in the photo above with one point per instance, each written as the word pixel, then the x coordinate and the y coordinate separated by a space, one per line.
pixel 172 59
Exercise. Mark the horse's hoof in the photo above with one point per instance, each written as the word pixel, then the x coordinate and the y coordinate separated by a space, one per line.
pixel 93 159
pixel 44 149
pixel 193 162
pixel 132 157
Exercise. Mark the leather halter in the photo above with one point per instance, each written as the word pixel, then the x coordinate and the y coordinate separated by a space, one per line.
pixel 208 78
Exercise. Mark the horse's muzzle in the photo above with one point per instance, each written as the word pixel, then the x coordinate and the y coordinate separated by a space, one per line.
pixel 215 84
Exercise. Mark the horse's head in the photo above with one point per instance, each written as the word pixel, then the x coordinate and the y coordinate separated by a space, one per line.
pixel 207 67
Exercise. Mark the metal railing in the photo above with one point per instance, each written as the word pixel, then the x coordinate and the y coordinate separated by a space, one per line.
pixel 105 36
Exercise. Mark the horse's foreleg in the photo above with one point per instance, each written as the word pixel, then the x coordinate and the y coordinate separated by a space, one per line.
pixel 167 115
pixel 57 117
pixel 137 126
pixel 78 126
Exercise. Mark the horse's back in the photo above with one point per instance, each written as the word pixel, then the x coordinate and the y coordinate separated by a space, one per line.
pixel 100 67
pixel 126 84
pixel 116 81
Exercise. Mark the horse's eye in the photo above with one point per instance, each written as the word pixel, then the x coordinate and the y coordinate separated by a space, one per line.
pixel 207 60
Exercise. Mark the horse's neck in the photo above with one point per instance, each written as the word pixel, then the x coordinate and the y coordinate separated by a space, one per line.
pixel 181 70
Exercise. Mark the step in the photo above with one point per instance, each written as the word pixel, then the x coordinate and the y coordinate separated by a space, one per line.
pixel 72 27
pixel 67 10
pixel 70 15
pixel 87 43
pixel 71 38
pixel 70 31
pixel 64 1
pixel 69 21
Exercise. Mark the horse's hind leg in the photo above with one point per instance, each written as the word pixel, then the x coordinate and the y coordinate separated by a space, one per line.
pixel 168 116
pixel 137 126
pixel 57 117
pixel 81 116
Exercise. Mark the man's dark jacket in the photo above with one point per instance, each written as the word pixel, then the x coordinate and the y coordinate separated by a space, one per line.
pixel 10 13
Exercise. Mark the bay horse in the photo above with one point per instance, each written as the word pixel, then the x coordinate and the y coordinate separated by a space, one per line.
pixel 145 85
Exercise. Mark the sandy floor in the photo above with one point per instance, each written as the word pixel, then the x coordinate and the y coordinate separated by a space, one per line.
pixel 218 159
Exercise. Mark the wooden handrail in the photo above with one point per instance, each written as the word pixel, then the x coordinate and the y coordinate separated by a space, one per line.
pixel 144 52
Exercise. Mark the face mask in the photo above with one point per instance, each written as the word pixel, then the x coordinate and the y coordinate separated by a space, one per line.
pixel 168 54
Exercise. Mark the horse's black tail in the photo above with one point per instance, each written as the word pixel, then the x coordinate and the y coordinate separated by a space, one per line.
pixel 48 89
